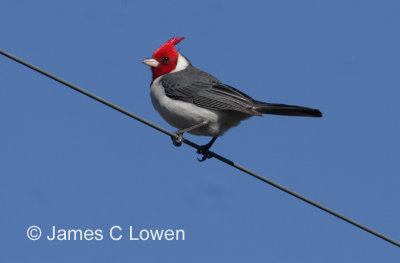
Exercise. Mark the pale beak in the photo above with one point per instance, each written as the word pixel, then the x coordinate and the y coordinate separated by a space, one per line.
pixel 151 62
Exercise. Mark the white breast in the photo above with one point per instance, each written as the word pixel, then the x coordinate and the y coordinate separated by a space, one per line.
pixel 182 114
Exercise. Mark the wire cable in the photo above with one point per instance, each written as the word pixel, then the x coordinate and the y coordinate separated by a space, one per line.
pixel 198 147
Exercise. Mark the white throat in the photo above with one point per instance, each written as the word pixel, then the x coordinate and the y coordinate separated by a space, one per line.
pixel 181 63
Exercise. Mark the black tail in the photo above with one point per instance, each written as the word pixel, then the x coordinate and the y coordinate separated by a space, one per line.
pixel 289 110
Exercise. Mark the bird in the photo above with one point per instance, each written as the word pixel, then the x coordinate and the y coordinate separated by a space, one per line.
pixel 195 102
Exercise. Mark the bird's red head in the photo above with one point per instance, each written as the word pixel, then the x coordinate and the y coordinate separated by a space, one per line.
pixel 164 59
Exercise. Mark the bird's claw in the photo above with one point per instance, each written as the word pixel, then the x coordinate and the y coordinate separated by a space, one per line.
pixel 177 141
pixel 203 150
pixel 206 154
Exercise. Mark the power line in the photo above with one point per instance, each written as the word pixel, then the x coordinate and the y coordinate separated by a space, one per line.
pixel 196 146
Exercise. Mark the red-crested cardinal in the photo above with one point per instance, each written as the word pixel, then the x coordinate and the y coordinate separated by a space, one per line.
pixel 195 102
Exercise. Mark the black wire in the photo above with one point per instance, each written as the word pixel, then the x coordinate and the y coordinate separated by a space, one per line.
pixel 194 145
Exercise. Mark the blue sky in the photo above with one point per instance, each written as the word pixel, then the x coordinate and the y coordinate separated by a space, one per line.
pixel 70 162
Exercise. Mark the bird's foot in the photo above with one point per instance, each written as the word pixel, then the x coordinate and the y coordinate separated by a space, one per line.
pixel 177 141
pixel 204 150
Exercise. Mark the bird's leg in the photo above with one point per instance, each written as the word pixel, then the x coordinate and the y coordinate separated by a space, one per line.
pixel 204 150
pixel 177 141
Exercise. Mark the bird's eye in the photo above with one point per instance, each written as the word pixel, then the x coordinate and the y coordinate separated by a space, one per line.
pixel 165 60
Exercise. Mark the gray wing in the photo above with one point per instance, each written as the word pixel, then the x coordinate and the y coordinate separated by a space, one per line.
pixel 197 87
